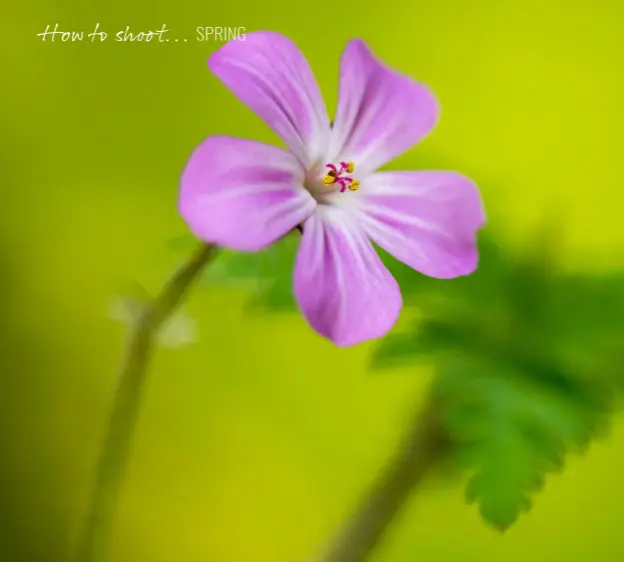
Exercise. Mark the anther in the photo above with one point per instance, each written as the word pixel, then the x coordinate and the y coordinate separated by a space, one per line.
pixel 335 176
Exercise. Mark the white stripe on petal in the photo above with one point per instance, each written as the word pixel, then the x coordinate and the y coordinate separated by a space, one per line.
pixel 381 113
pixel 341 285
pixel 270 75
pixel 242 194
pixel 428 220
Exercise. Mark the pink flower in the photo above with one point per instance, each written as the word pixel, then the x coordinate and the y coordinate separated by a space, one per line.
pixel 245 195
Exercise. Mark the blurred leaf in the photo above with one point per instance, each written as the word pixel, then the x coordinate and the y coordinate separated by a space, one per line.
pixel 531 282
pixel 266 275
pixel 411 282
pixel 424 342
pixel 417 288
pixel 520 306
pixel 454 314
pixel 276 294
pixel 531 360
pixel 511 429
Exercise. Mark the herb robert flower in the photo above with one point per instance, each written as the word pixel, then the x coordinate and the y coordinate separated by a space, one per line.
pixel 245 195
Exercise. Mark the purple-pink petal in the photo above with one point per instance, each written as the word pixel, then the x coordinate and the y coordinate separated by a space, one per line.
pixel 341 285
pixel 427 220
pixel 381 113
pixel 242 194
pixel 269 74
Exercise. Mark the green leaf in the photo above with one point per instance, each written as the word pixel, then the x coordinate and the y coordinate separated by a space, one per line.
pixel 541 366
pixel 533 275
pixel 425 341
pixel 414 285
pixel 265 275
pixel 510 428
pixel 515 306
pixel 275 294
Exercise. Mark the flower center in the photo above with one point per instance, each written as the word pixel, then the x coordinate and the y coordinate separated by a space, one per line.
pixel 338 176
pixel 323 187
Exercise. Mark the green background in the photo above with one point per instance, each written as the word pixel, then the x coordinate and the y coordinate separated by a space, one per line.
pixel 255 442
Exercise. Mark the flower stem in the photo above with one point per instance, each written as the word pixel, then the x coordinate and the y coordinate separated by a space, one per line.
pixel 426 444
pixel 117 445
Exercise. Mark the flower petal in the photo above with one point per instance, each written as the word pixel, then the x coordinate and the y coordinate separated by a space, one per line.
pixel 269 74
pixel 341 285
pixel 427 220
pixel 381 113
pixel 243 194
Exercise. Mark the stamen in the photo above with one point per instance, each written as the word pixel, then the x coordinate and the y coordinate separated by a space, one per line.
pixel 342 182
pixel 335 176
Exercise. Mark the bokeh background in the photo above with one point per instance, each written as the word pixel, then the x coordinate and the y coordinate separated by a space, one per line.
pixel 255 442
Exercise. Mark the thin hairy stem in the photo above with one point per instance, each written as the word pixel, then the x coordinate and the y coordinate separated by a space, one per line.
pixel 113 461
pixel 424 447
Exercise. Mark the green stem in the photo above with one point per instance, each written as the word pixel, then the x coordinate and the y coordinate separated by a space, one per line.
pixel 426 444
pixel 117 445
